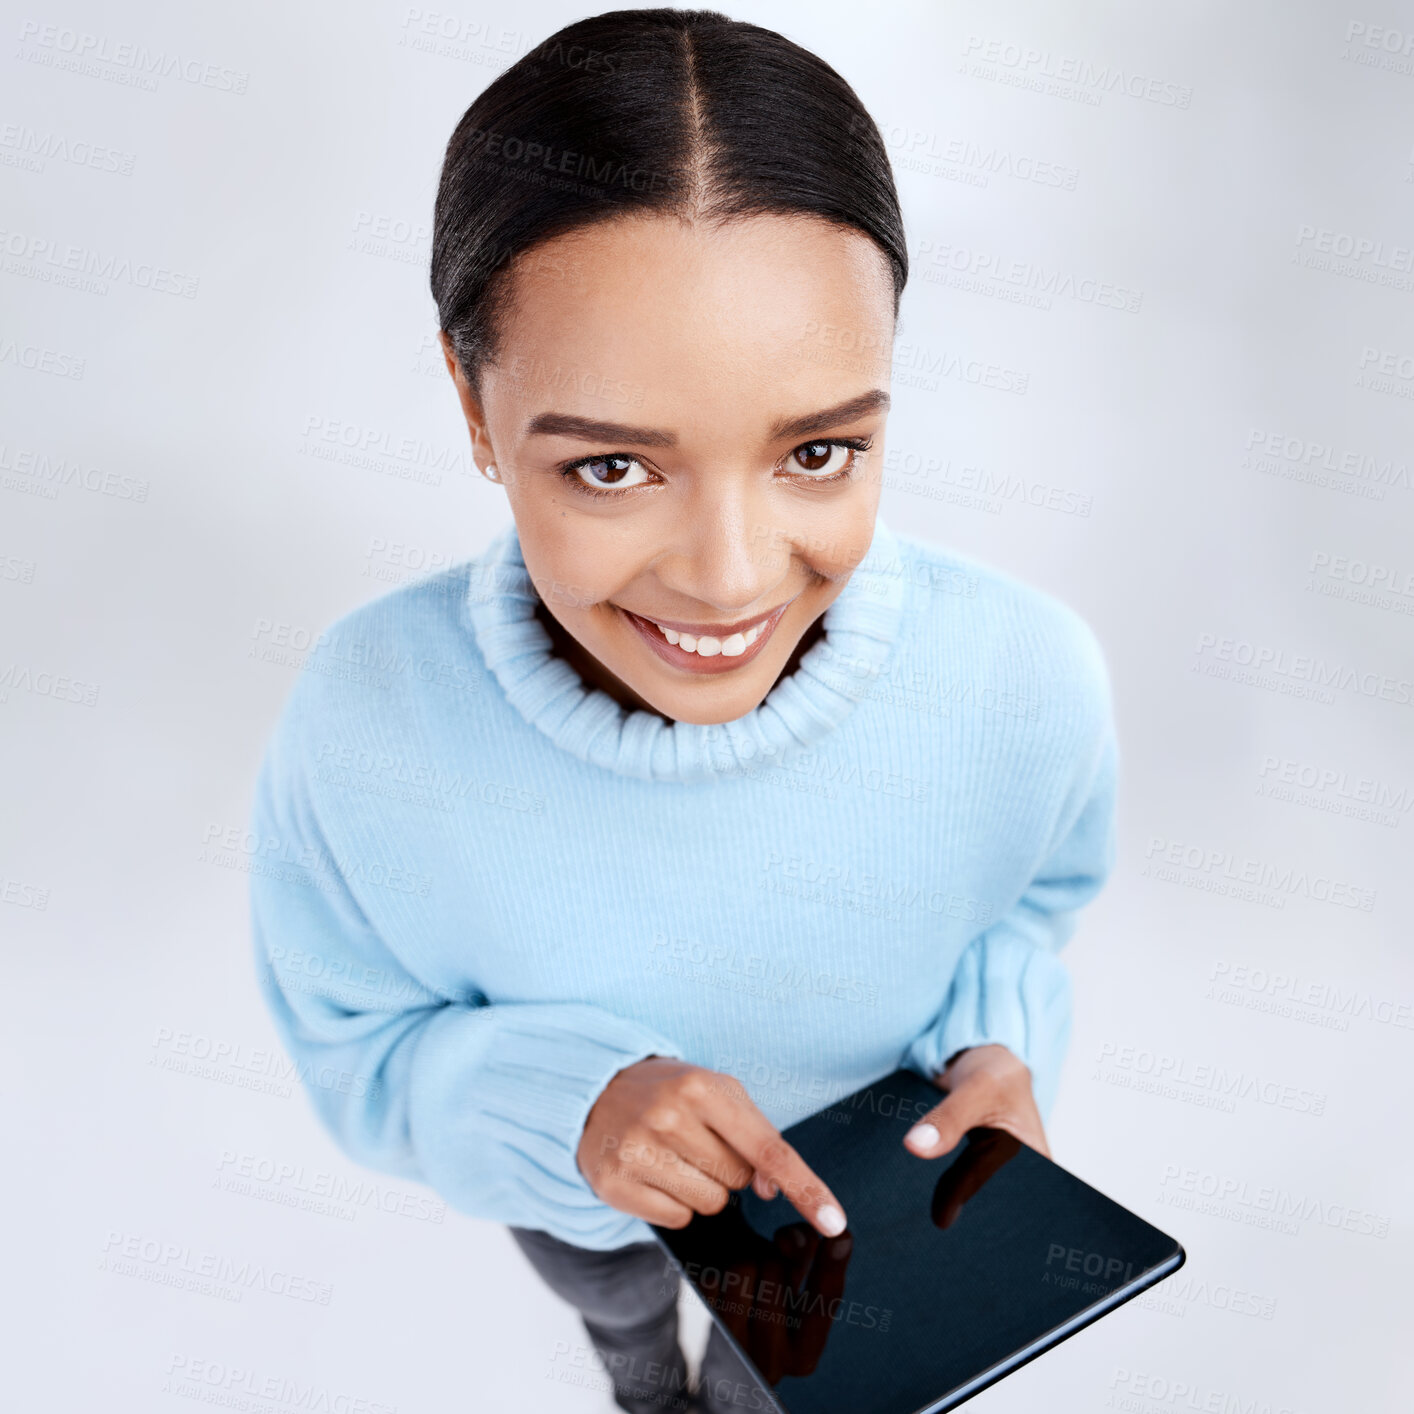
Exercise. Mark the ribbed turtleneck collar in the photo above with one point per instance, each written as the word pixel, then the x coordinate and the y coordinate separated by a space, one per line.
pixel 861 626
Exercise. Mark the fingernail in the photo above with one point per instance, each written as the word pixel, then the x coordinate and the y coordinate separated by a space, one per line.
pixel 830 1220
pixel 922 1136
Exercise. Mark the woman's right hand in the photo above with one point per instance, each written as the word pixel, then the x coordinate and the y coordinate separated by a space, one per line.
pixel 666 1140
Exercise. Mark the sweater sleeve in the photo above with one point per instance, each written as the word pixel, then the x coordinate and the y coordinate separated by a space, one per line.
pixel 1010 986
pixel 483 1103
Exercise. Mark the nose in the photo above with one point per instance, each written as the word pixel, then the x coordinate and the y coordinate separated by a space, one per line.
pixel 727 552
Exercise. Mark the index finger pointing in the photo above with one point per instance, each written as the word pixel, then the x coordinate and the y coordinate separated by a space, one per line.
pixel 730 1111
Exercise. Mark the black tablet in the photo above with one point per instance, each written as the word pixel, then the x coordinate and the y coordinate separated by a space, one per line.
pixel 952 1272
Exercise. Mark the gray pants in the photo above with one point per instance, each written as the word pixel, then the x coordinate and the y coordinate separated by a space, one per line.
pixel 628 1301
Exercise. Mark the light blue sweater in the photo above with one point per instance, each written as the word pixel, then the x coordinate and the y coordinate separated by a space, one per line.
pixel 483 888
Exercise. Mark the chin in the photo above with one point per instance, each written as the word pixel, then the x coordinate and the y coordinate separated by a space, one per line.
pixel 711 703
pixel 710 718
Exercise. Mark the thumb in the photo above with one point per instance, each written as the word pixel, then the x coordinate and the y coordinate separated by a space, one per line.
pixel 942 1128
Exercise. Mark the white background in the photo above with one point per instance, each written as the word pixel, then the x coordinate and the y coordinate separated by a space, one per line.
pixel 163 513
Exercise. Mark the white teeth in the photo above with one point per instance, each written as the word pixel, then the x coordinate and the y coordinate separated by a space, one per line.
pixel 708 647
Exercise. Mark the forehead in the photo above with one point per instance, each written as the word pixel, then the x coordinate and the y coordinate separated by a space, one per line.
pixel 720 324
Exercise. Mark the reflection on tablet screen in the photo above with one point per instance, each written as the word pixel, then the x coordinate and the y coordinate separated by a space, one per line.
pixel 952 1271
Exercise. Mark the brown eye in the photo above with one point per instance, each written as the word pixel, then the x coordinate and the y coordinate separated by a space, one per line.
pixel 828 458
pixel 611 471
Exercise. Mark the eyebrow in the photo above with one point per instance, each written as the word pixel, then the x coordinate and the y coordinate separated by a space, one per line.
pixel 588 429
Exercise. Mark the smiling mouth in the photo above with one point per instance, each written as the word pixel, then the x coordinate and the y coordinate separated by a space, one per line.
pixel 707 652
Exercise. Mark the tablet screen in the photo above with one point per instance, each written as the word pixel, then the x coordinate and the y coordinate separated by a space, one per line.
pixel 952 1272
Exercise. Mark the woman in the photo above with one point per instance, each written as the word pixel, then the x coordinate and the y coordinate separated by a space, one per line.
pixel 701 798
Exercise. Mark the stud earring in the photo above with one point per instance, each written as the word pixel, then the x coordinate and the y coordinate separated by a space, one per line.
pixel 491 473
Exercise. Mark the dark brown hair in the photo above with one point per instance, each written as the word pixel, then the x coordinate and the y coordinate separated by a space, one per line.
pixel 684 112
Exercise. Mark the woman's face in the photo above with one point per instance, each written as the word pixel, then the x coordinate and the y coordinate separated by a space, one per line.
pixel 678 414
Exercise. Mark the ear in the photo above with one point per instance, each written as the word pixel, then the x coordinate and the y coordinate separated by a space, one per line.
pixel 481 450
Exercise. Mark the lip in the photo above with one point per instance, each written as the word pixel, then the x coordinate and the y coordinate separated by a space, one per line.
pixel 694 663
pixel 719 630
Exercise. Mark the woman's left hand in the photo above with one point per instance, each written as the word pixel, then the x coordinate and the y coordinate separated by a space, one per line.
pixel 984 1085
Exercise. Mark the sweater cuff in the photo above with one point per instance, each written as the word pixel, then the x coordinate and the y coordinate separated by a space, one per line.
pixel 1007 991
pixel 523 1078
pixel 547 1078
